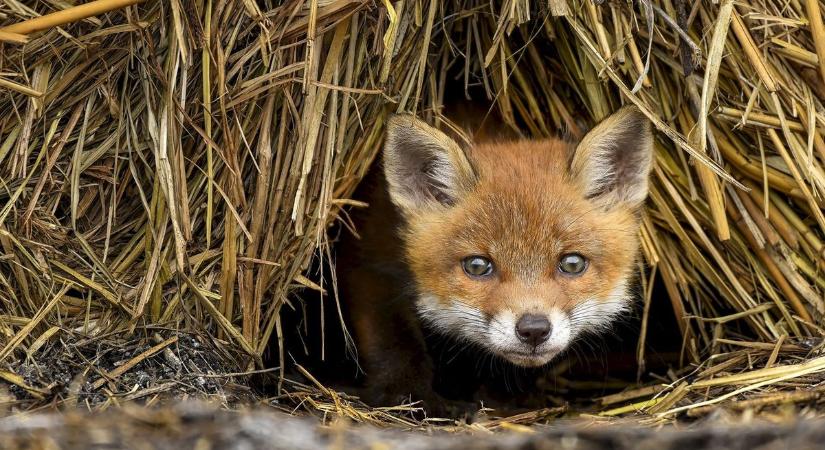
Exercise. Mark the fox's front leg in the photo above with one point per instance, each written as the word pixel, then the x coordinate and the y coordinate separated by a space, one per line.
pixel 392 350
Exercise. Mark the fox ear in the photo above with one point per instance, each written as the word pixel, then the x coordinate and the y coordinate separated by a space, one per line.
pixel 614 159
pixel 423 167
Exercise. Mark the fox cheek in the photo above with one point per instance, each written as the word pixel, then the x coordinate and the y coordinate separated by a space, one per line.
pixel 424 168
pixel 613 161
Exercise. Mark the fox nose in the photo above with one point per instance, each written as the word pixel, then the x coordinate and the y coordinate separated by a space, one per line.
pixel 533 329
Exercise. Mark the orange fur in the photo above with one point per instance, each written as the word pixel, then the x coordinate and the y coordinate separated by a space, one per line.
pixel 524 212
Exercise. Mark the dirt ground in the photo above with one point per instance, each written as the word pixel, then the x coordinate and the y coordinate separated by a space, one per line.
pixel 116 392
pixel 197 426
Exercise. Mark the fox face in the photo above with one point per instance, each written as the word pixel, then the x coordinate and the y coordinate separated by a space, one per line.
pixel 518 247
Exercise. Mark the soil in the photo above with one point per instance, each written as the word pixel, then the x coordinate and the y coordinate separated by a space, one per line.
pixel 84 371
pixel 139 392
pixel 198 426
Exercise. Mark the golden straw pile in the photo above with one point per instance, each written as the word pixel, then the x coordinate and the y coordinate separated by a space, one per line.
pixel 176 164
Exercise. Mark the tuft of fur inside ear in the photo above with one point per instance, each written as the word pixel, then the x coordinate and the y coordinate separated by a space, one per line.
pixel 613 161
pixel 424 168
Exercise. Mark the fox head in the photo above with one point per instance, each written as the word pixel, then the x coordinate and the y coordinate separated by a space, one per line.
pixel 520 246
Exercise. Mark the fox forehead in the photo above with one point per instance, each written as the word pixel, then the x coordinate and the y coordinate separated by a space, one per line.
pixel 528 162
pixel 524 210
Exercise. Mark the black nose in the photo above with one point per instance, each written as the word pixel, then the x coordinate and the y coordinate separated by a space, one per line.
pixel 533 329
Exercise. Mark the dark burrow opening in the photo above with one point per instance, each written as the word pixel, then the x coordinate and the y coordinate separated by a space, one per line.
pixel 596 365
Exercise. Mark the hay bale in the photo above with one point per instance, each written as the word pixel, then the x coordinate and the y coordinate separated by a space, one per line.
pixel 177 164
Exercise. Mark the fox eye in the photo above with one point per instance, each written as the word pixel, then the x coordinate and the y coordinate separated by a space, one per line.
pixel 572 264
pixel 477 266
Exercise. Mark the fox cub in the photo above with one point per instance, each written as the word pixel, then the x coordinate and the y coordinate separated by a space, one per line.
pixel 514 247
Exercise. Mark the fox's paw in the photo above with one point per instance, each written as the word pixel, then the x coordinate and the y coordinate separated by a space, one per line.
pixel 450 409
pixel 427 403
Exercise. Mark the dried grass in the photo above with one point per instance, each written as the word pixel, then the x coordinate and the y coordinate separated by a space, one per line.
pixel 177 163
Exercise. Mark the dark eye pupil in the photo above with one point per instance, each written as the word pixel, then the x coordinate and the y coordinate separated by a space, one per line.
pixel 573 264
pixel 477 266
